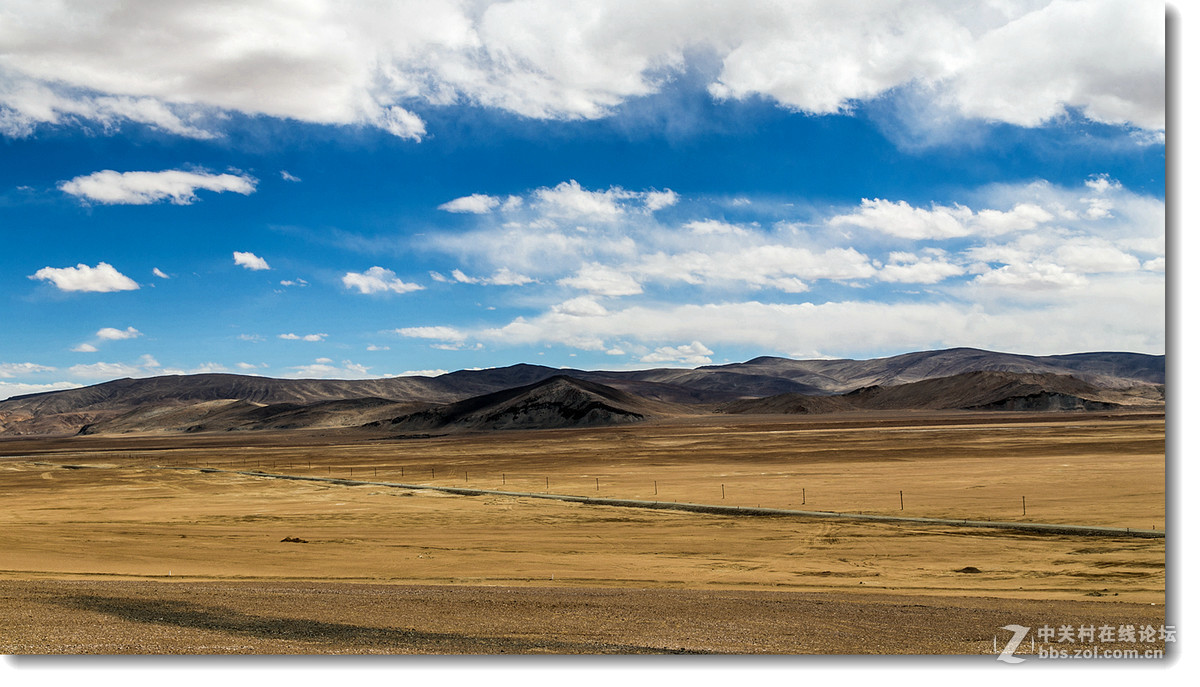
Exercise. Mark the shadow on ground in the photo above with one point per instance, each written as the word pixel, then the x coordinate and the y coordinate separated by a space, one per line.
pixel 195 617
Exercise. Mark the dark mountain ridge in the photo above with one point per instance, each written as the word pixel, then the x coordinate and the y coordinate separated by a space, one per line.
pixel 560 401
pixel 158 403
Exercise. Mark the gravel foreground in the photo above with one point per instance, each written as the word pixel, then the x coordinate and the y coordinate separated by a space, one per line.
pixel 144 617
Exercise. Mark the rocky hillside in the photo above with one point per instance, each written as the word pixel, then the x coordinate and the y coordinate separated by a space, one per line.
pixel 216 402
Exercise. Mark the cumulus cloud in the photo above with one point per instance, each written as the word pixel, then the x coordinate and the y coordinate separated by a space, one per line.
pixel 10 389
pixel 303 337
pixel 910 268
pixel 375 63
pixel 160 274
pixel 570 200
pixel 694 353
pixel 145 366
pixel 103 278
pixel 144 188
pixel 1020 266
pixel 1032 275
pixel 250 261
pixel 1029 70
pixel 898 218
pixel 1113 313
pixel 114 334
pixel 502 277
pixel 378 280
pixel 325 368
pixel 423 373
pixel 107 334
pixel 11 370
pixel 476 203
pixel 438 332
pixel 999 237
pixel 602 281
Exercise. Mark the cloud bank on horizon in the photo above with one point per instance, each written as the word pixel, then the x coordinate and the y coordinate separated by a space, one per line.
pixel 441 185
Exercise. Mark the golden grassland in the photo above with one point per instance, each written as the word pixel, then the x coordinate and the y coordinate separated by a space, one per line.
pixel 116 517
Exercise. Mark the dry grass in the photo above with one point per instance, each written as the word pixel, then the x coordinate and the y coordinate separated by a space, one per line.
pixel 122 519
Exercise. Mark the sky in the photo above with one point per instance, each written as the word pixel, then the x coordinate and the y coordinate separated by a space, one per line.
pixel 361 190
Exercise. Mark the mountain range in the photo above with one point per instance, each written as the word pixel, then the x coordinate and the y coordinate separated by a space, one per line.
pixel 533 397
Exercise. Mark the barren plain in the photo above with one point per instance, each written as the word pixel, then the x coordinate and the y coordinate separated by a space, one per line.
pixel 124 544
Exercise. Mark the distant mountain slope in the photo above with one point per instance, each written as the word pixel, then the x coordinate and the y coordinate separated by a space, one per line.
pixel 553 403
pixel 1136 375
pixel 229 415
pixel 1104 370
pixel 982 390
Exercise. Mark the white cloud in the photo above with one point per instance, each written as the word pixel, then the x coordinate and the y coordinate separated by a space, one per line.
pixel 941 222
pixel 694 353
pixel 1111 314
pixel 502 277
pixel 476 203
pixel 10 389
pixel 144 188
pixel 160 274
pixel 201 369
pixel 288 176
pixel 114 334
pixel 712 226
pixel 582 306
pixel 767 265
pixel 11 370
pixel 657 200
pixel 85 348
pixel 26 104
pixel 303 337
pixel 438 332
pixel 506 277
pixel 250 261
pixel 293 282
pixel 1091 255
pixel 324 368
pixel 1032 275
pixel 570 200
pixel 423 373
pixel 103 278
pixel 602 281
pixel 146 366
pixel 368 63
pixel 1106 57
pixel 909 268
pixel 374 347
pixel 378 280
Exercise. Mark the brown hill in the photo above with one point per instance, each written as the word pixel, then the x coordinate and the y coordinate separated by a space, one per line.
pixel 139 404
pixel 984 390
pixel 236 415
pixel 558 402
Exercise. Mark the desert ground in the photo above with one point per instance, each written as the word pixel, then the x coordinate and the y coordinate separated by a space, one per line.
pixel 161 543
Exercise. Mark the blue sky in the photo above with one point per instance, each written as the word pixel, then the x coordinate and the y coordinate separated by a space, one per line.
pixel 408 188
